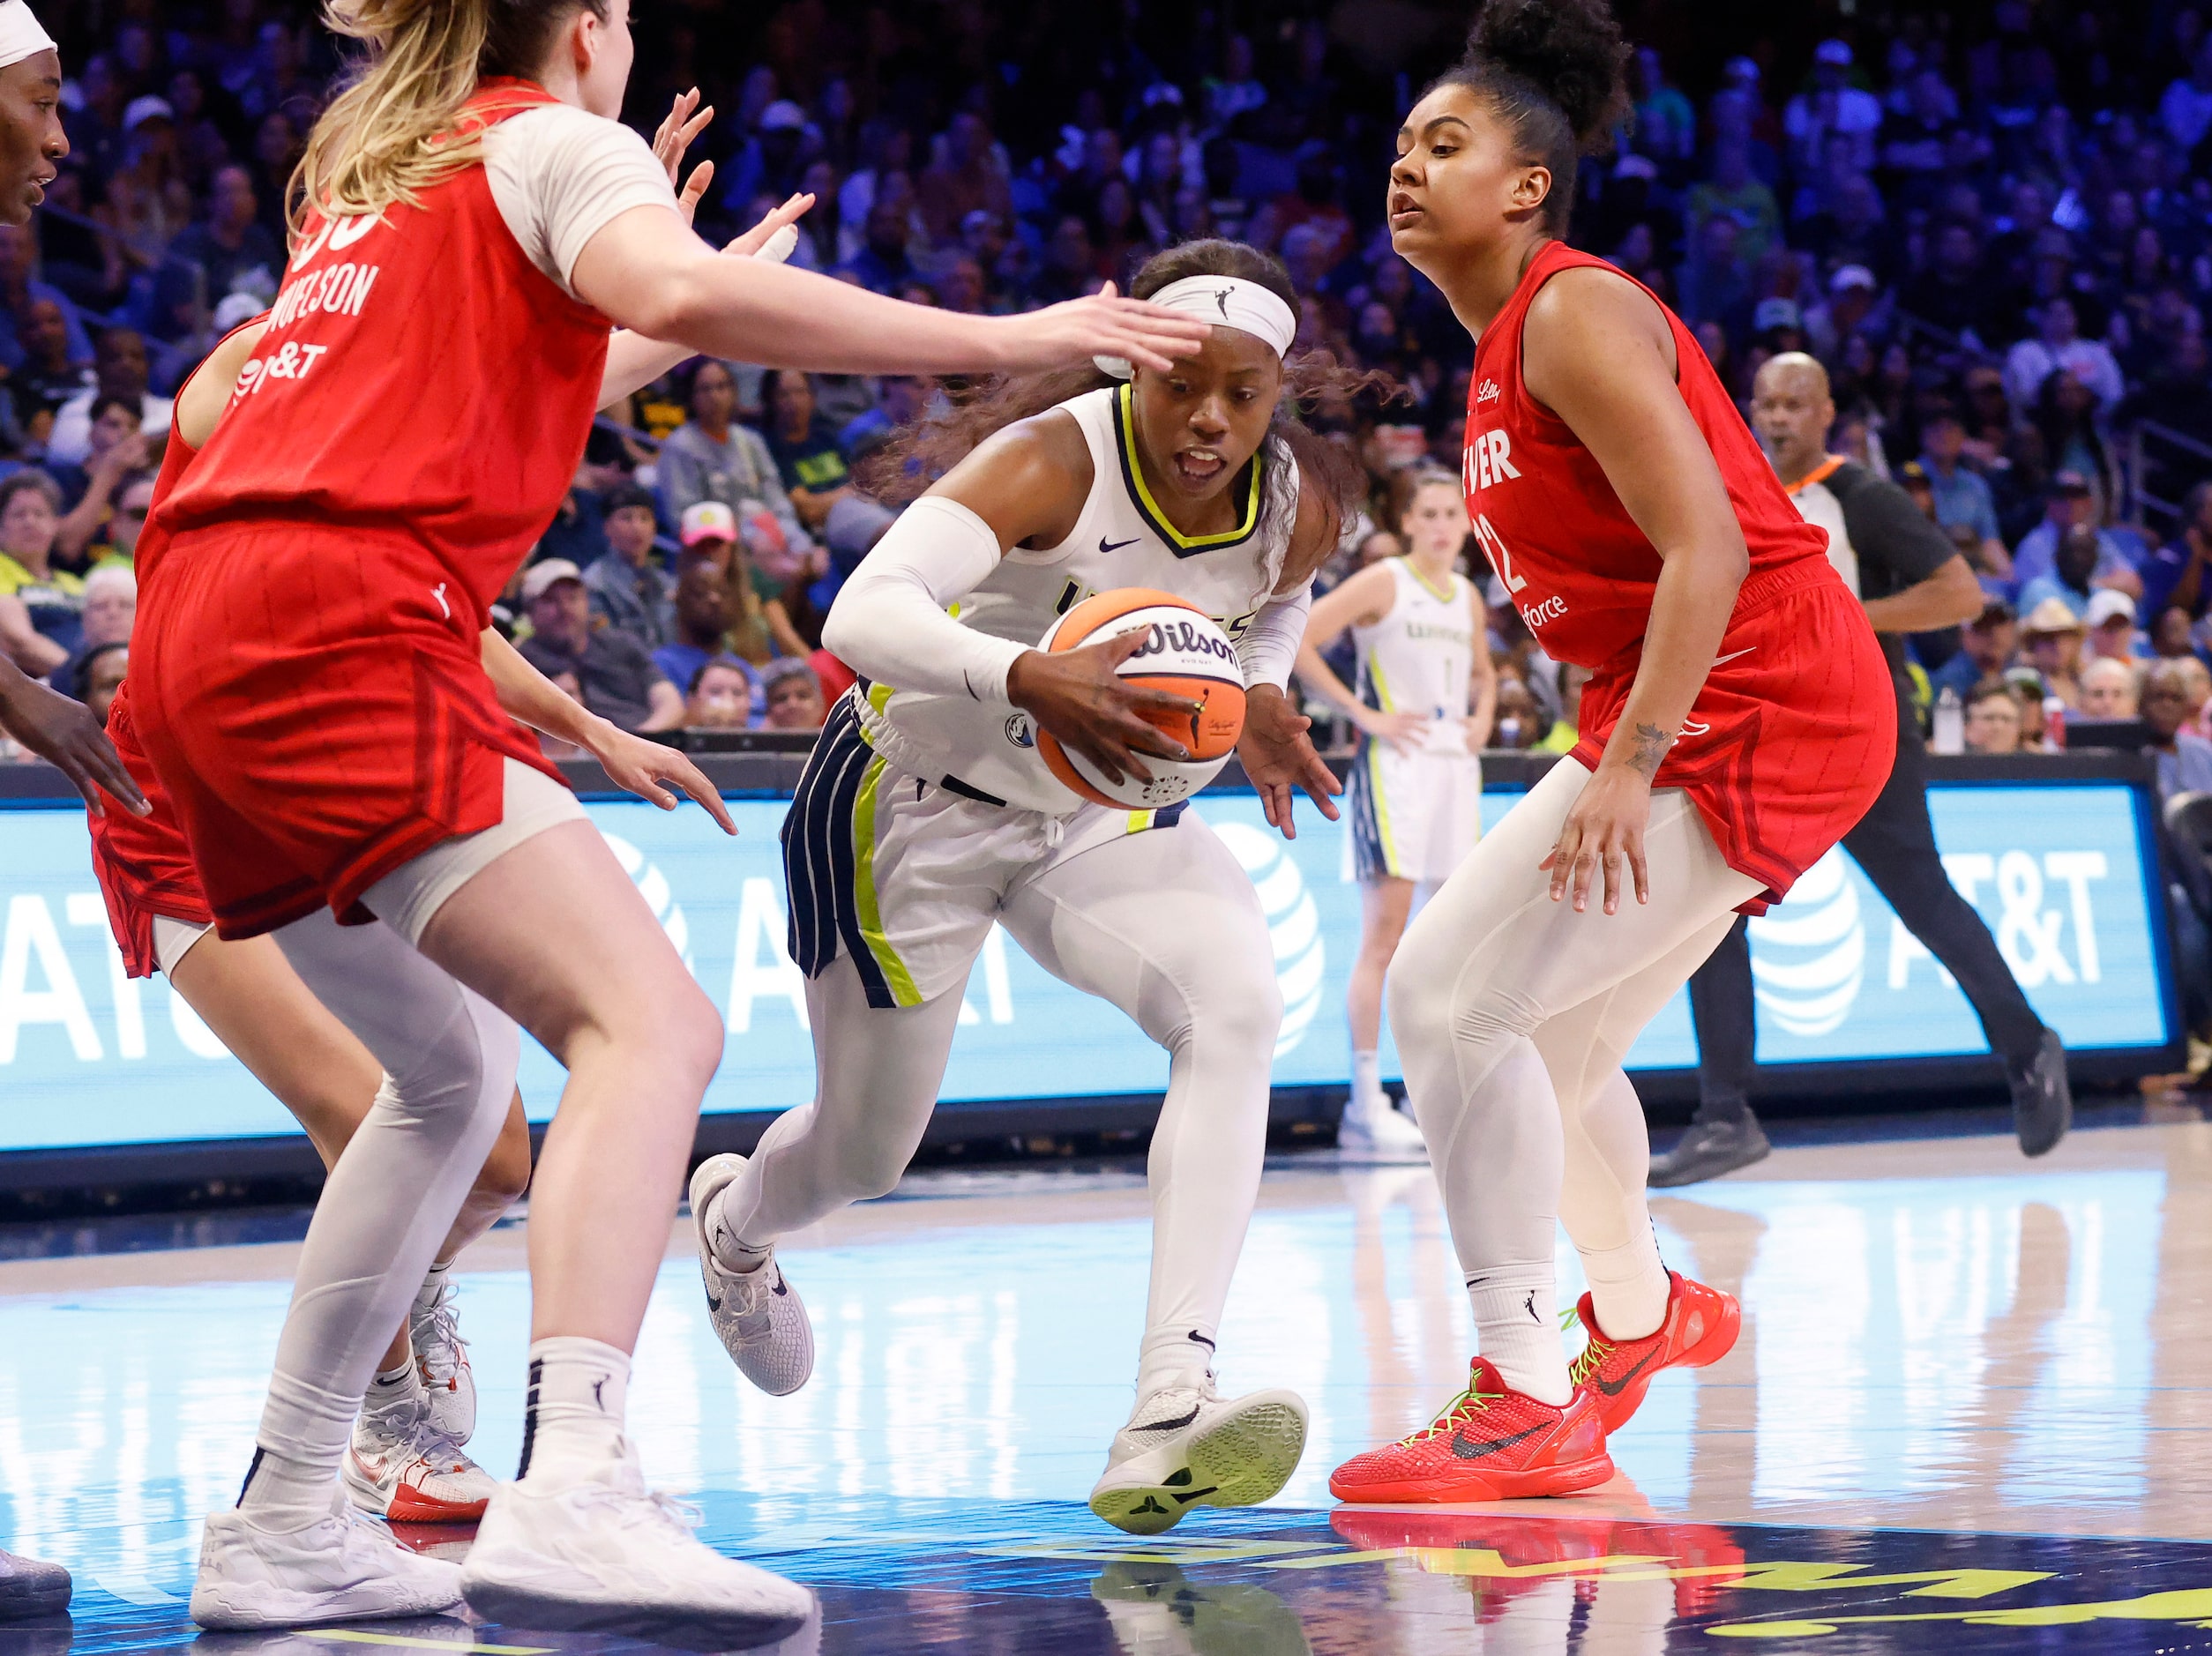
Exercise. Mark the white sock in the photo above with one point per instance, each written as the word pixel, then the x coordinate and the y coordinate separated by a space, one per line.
pixel 284 1493
pixel 433 1284
pixel 1367 1093
pixel 578 1388
pixel 1176 1356
pixel 1628 1286
pixel 731 1253
pixel 1517 1327
pixel 393 1391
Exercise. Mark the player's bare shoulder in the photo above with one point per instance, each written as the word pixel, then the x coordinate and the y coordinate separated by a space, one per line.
pixel 1589 321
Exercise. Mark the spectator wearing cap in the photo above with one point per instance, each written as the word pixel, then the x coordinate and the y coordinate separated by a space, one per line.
pixel 1987 646
pixel 795 696
pixel 2175 576
pixel 2070 503
pixel 613 668
pixel 722 695
pixel 711 537
pixel 710 457
pixel 1849 306
pixel 2050 639
pixel 119 369
pixel 229 244
pixel 2057 344
pixel 702 626
pixel 1829 105
pixel 626 584
pixel 1960 495
pixel 2110 620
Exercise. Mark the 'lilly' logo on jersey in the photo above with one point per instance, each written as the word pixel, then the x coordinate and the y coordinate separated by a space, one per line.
pixel 1488 392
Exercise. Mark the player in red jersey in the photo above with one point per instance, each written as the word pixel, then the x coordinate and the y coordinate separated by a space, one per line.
pixel 1737 723
pixel 309 688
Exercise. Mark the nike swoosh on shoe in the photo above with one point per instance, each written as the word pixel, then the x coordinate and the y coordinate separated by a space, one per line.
pixel 1466 1451
pixel 1175 1425
pixel 1614 1388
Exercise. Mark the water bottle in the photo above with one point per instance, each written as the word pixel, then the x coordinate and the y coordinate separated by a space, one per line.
pixel 2054 725
pixel 1949 731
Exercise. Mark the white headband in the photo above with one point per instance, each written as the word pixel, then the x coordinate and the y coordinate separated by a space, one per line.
pixel 1227 302
pixel 20 36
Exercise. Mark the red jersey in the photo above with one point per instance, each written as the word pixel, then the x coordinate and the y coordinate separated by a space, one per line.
pixel 419 375
pixel 1794 731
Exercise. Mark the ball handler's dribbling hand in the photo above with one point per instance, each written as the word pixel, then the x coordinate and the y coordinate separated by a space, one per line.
pixel 1278 758
pixel 1080 697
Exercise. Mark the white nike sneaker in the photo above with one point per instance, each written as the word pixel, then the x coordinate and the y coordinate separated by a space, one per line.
pixel 756 1314
pixel 400 1468
pixel 338 1568
pixel 441 1357
pixel 1187 1446
pixel 581 1545
pixel 1370 1130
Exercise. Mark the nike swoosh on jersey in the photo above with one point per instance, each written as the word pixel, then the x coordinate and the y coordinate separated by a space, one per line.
pixel 1732 654
pixel 1466 1451
pixel 1105 545
pixel 1614 1388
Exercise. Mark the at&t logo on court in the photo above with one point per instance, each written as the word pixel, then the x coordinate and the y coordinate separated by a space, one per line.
pixel 1809 951
pixel 1294 925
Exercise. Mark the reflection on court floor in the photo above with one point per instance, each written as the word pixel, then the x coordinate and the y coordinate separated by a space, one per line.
pixel 1968 1404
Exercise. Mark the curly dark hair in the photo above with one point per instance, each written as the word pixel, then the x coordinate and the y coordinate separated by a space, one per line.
pixel 905 467
pixel 1557 72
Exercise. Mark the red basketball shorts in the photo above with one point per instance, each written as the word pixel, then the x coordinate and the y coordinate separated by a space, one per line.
pixel 143 864
pixel 314 703
pixel 1791 738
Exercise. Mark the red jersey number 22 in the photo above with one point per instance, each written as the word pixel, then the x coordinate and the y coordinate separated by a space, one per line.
pixel 1500 559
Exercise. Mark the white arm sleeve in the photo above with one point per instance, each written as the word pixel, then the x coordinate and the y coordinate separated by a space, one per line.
pixel 889 622
pixel 1269 648
pixel 560 175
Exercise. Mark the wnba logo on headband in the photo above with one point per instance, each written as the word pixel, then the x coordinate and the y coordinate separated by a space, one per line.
pixel 21 35
pixel 1227 302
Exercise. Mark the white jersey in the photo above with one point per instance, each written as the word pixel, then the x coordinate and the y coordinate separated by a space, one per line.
pixel 1120 539
pixel 1419 656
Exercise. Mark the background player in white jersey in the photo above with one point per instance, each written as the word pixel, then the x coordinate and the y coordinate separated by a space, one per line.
pixel 925 816
pixel 1424 702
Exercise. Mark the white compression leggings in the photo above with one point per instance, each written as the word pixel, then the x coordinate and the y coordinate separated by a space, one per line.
pixel 449 1058
pixel 1513 1014
pixel 1164 925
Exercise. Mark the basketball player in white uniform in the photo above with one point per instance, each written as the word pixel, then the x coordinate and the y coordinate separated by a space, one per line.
pixel 1422 635
pixel 925 816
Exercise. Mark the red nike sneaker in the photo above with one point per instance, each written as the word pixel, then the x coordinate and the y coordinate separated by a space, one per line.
pixel 1491 1443
pixel 1700 1328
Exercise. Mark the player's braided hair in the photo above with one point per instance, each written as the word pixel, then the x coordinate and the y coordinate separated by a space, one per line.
pixel 915 458
pixel 391 134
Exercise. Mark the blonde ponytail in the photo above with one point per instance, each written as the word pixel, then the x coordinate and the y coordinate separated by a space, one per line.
pixel 394 131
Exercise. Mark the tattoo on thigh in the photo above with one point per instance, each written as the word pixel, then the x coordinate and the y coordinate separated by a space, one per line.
pixel 1651 747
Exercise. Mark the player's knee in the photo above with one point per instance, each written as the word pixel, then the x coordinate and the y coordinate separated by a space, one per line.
pixel 873 1168
pixel 506 1175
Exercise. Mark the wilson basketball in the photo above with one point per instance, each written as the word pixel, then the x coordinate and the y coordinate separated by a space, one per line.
pixel 1186 654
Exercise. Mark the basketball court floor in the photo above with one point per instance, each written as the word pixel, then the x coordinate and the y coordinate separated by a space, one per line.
pixel 1971 1411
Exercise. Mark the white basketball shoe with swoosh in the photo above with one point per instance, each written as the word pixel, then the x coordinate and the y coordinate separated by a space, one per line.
pixel 1189 1446
pixel 341 1567
pixel 756 1314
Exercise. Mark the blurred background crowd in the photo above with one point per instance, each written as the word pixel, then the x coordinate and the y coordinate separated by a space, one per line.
pixel 1992 222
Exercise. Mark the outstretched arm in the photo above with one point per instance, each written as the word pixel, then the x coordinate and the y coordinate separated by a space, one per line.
pixel 65 734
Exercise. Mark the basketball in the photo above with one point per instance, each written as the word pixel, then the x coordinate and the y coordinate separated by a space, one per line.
pixel 1187 654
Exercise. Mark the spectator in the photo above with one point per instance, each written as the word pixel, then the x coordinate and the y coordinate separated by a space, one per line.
pixel 795 696
pixel 2184 758
pixel 2108 689
pixel 49 374
pixel 901 398
pixel 2070 504
pixel 2169 636
pixel 1731 190
pixel 882 265
pixel 720 697
pixel 118 450
pixel 1952 293
pixel 711 457
pixel 41 607
pixel 126 523
pixel 710 536
pixel 2174 575
pixel 2111 619
pixel 231 245
pixel 99 675
pixel 2073 574
pixel 627 586
pixel 20 290
pixel 2057 344
pixel 702 626
pixel 1832 104
pixel 1993 721
pixel 2051 638
pixel 1518 724
pixel 119 371
pixel 615 675
pixel 1987 646
pixel 805 444
pixel 1960 498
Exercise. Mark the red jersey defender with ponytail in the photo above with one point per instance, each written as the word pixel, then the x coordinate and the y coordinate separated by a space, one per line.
pixel 1738 722
pixel 309 686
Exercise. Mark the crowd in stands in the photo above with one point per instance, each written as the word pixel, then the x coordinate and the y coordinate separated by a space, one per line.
pixel 1994 225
